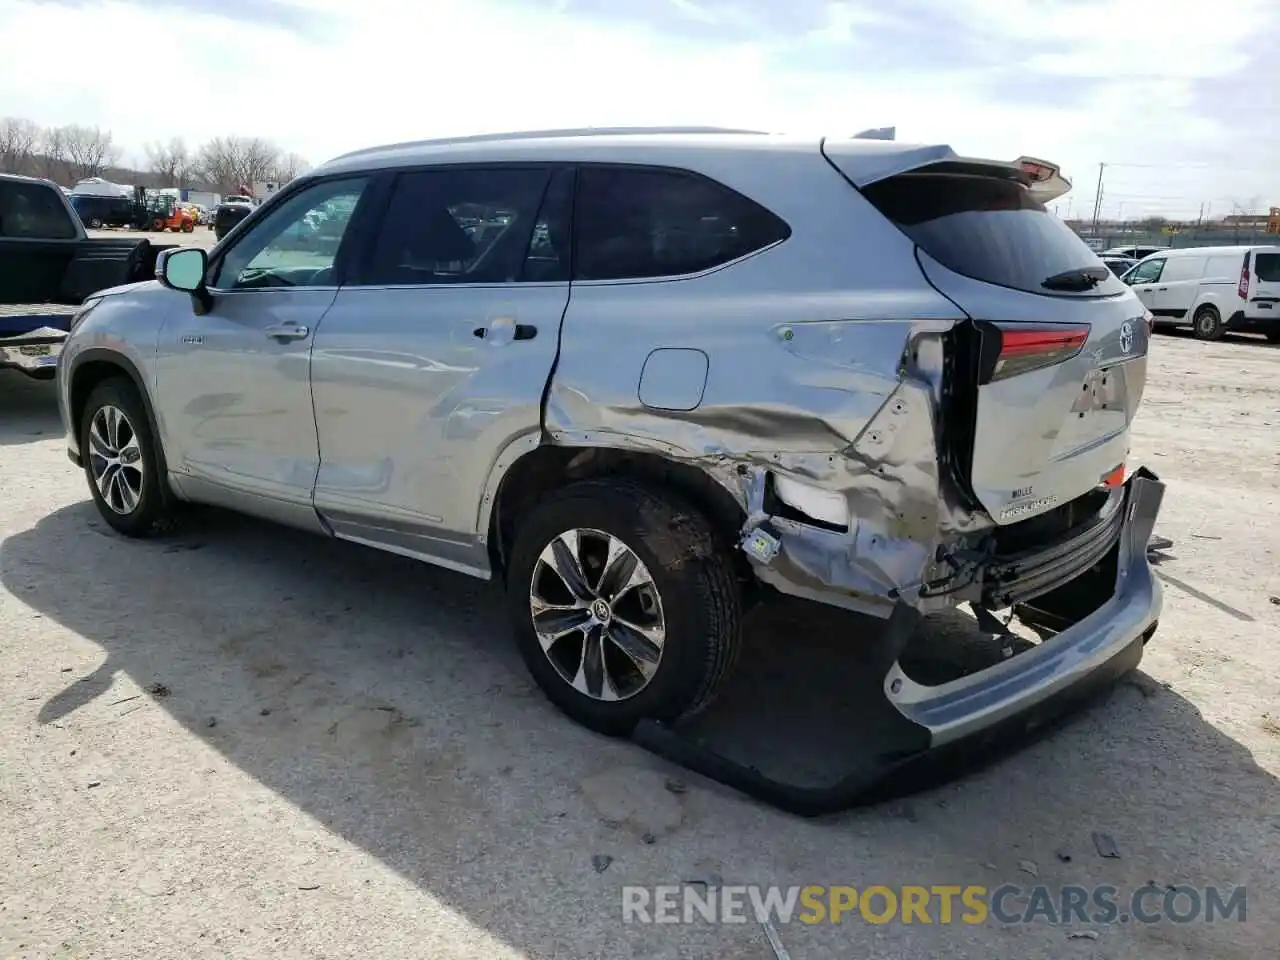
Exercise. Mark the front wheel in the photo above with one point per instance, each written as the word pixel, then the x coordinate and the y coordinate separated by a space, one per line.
pixel 122 462
pixel 1208 323
pixel 623 603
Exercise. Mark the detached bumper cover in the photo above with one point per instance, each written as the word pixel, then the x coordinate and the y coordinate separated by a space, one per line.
pixel 1011 697
pixel 954 710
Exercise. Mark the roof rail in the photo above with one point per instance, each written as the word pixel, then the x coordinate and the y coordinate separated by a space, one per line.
pixel 550 134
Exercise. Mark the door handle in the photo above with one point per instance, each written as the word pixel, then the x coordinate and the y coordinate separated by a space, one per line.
pixel 1161 289
pixel 522 331
pixel 286 331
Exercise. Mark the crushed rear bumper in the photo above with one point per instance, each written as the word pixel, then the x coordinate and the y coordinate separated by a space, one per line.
pixel 1103 619
pixel 1115 629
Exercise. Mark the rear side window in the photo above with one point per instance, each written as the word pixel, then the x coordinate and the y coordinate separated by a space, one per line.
pixel 636 222
pixel 457 225
pixel 35 211
pixel 985 228
pixel 1267 267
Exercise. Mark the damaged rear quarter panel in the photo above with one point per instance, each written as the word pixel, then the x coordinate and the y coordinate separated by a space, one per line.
pixel 824 365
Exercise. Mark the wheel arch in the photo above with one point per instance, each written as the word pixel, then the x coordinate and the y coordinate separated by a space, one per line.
pixel 94 366
pixel 530 468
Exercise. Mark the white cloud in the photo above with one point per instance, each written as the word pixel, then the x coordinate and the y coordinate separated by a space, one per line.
pixel 390 70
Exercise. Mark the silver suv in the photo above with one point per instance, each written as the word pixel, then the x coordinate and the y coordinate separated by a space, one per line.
pixel 645 378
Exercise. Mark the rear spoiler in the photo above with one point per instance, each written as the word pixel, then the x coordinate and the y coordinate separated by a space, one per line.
pixel 864 162
pixel 1047 181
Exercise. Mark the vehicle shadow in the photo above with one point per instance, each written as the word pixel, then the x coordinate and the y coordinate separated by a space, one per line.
pixel 384 699
pixel 28 409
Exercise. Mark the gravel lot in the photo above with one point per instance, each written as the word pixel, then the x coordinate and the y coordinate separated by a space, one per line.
pixel 246 742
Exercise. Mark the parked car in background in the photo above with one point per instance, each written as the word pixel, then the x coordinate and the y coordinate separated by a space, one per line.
pixel 1119 265
pixel 1133 253
pixel 229 213
pixel 97 211
pixel 1214 290
pixel 646 378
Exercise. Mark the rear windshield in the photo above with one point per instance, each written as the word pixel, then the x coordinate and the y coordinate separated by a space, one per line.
pixel 1267 267
pixel 985 228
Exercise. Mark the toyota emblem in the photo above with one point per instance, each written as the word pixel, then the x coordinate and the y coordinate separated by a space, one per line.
pixel 1126 336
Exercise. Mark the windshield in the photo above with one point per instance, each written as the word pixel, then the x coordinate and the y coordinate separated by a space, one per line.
pixel 986 228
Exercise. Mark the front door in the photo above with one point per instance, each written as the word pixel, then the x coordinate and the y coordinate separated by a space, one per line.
pixel 233 384
pixel 436 355
pixel 1144 278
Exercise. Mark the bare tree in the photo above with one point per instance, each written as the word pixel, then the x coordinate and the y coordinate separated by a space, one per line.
pixel 170 161
pixel 231 162
pixel 18 139
pixel 89 150
pixel 289 166
pixel 53 151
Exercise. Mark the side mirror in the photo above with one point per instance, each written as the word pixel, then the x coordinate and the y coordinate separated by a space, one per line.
pixel 184 269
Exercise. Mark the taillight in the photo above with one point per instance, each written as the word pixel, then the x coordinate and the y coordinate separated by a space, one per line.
pixel 1023 349
pixel 1243 288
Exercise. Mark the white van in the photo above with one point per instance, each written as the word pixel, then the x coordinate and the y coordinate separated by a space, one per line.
pixel 1212 289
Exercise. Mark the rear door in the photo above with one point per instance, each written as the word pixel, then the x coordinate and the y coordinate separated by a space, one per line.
pixel 1264 297
pixel 436 355
pixel 1055 362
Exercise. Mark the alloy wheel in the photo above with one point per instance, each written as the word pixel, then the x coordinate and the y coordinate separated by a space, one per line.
pixel 597 614
pixel 115 459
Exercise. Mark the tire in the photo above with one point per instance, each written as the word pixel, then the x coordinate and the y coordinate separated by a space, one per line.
pixel 138 503
pixel 187 226
pixel 1207 324
pixel 95 223
pixel 692 598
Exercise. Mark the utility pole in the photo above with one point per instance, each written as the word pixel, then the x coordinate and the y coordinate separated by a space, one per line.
pixel 1097 200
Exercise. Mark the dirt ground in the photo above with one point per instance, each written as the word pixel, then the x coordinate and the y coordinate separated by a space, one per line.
pixel 199 237
pixel 242 742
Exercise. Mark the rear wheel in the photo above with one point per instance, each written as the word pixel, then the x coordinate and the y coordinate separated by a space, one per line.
pixel 95 223
pixel 122 462
pixel 1208 323
pixel 623 605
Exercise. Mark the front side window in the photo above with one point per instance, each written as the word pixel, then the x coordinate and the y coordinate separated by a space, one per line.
pixel 637 222
pixel 457 225
pixel 1148 272
pixel 34 211
pixel 296 244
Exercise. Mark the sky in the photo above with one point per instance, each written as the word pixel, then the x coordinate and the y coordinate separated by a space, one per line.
pixel 1176 97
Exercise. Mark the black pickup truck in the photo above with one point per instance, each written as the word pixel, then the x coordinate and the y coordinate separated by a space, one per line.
pixel 48 266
